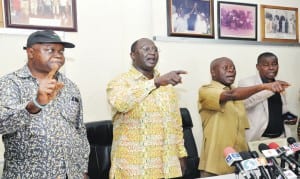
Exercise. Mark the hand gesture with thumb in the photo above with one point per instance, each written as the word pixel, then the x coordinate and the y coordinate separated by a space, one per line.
pixel 48 88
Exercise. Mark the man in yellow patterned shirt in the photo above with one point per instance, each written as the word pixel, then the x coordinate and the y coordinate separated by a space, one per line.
pixel 147 135
pixel 223 115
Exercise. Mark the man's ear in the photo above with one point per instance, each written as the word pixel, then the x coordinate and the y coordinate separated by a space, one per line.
pixel 213 74
pixel 30 53
pixel 132 55
pixel 257 66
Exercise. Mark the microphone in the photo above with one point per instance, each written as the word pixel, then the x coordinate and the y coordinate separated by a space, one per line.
pixel 294 146
pixel 291 140
pixel 249 163
pixel 290 155
pixel 270 154
pixel 233 158
pixel 261 163
pixel 282 154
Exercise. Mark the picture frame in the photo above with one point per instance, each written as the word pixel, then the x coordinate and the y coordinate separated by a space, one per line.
pixel 35 14
pixel 279 24
pixel 190 18
pixel 1 15
pixel 237 21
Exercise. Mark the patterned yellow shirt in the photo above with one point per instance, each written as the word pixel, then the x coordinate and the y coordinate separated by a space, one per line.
pixel 147 134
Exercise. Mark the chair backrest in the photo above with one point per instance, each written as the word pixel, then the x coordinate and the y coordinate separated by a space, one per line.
pixel 190 145
pixel 99 134
pixel 187 125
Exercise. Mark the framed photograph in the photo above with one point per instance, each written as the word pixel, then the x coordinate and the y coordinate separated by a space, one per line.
pixel 191 18
pixel 279 24
pixel 1 15
pixel 41 14
pixel 237 21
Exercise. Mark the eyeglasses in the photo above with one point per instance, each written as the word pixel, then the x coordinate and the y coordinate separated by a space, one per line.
pixel 49 51
pixel 147 49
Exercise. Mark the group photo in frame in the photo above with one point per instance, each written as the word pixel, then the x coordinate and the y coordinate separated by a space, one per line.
pixel 279 24
pixel 191 18
pixel 237 21
pixel 41 14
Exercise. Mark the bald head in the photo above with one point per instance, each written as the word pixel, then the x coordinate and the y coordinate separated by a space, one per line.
pixel 134 44
pixel 223 70
pixel 217 61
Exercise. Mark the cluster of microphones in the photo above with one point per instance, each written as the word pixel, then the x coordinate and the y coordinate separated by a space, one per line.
pixel 278 162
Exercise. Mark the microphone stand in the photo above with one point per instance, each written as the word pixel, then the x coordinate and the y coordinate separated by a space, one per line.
pixel 240 171
pixel 263 173
pixel 278 171
pixel 271 171
pixel 282 163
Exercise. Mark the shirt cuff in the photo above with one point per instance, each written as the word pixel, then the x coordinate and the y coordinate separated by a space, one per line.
pixel 182 152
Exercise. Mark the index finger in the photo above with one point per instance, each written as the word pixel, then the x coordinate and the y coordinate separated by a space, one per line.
pixel 284 83
pixel 178 72
pixel 52 72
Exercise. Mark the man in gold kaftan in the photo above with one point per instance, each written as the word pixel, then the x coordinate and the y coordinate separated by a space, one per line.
pixel 147 135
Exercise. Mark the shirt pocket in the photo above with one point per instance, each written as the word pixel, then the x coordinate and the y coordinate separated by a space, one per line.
pixel 70 109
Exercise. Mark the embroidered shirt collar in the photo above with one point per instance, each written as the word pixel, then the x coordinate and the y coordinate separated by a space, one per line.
pixel 138 75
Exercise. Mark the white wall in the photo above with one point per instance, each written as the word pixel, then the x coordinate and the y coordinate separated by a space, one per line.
pixel 106 30
pixel 195 55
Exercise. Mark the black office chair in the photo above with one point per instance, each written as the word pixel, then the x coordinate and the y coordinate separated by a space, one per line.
pixel 190 145
pixel 100 134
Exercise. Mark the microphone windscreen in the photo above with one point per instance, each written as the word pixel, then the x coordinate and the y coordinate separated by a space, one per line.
pixel 291 140
pixel 245 155
pixel 262 147
pixel 273 145
pixel 254 154
pixel 228 150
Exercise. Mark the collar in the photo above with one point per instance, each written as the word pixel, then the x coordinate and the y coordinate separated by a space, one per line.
pixel 138 75
pixel 220 85
pixel 264 80
pixel 25 72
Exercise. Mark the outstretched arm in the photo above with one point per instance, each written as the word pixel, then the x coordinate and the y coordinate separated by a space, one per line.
pixel 242 93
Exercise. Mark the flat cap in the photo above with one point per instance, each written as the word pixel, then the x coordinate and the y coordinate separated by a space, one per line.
pixel 46 36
